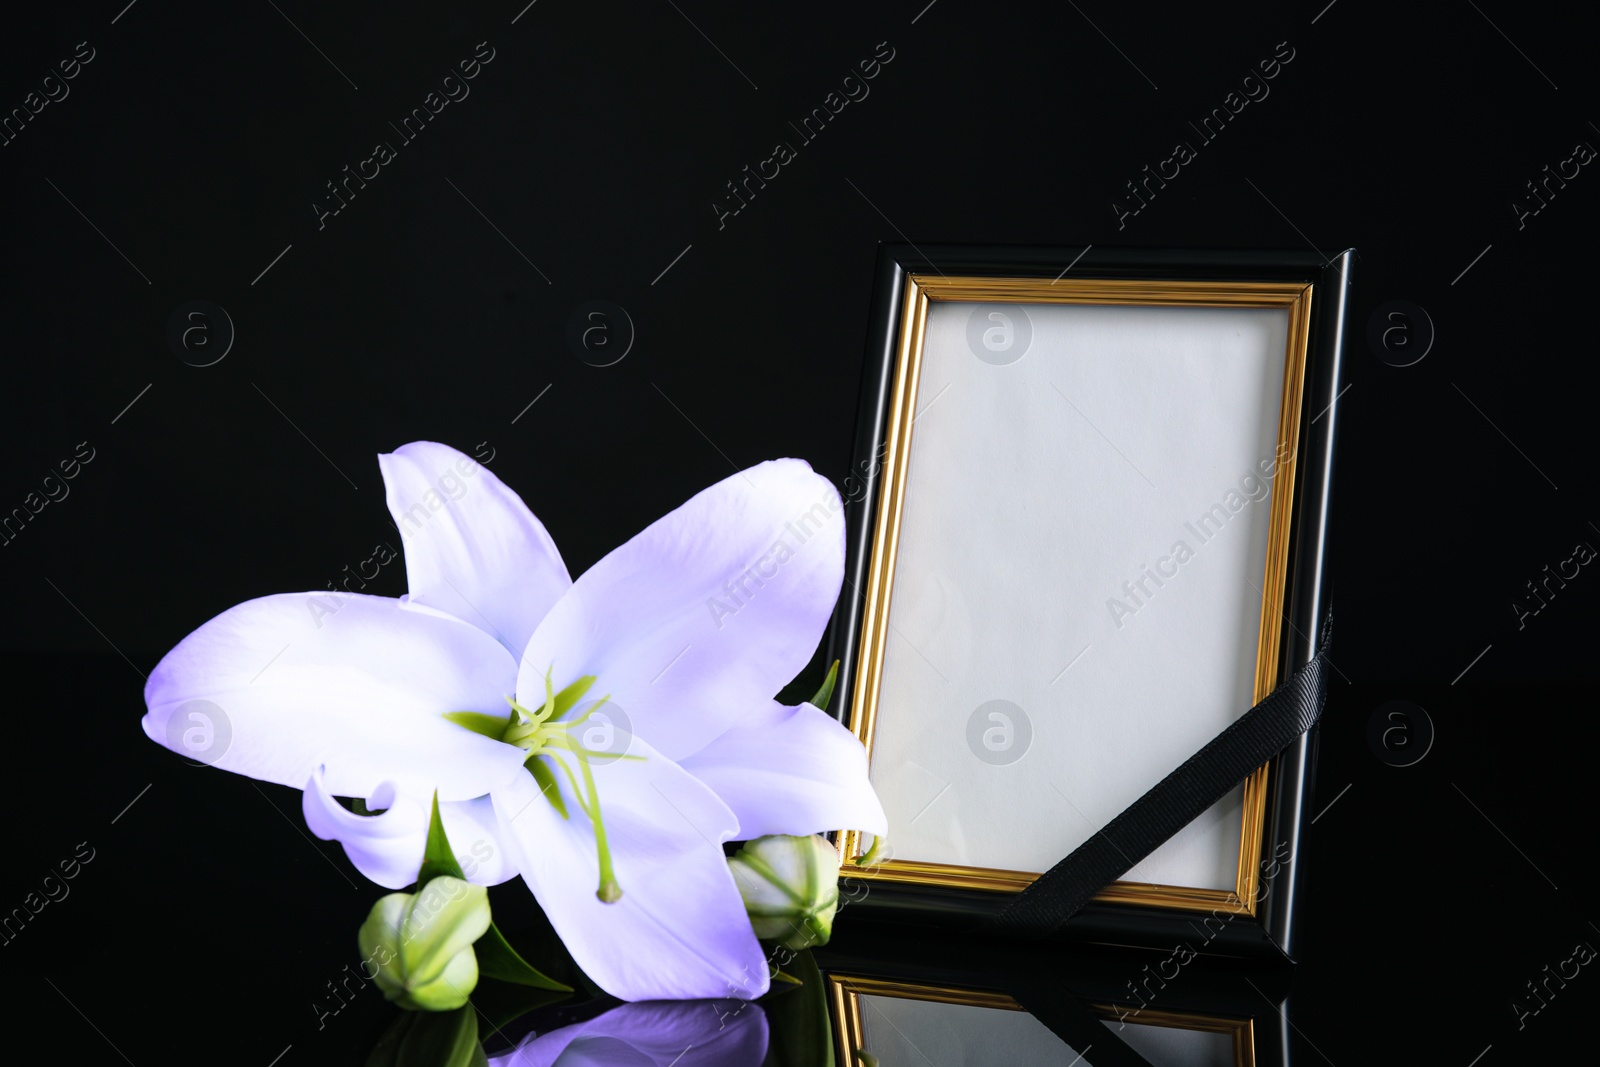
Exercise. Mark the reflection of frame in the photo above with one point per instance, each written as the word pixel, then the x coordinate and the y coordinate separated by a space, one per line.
pixel 845 993
pixel 1010 535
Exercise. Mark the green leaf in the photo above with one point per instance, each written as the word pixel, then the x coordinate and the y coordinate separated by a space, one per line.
pixel 797 1018
pixel 568 698
pixel 497 959
pixel 431 1039
pixel 491 726
pixel 825 694
pixel 540 769
pixel 437 857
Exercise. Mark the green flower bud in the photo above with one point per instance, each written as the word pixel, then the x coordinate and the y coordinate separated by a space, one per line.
pixel 790 887
pixel 421 943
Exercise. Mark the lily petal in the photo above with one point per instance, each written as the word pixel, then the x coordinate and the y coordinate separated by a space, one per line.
pixel 688 1033
pixel 388 847
pixel 282 685
pixel 680 930
pixel 707 612
pixel 473 549
pixel 793 771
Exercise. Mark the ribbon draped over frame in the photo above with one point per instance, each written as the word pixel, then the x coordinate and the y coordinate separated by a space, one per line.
pixel 1174 802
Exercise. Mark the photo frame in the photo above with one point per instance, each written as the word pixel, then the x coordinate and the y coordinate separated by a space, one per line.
pixel 1089 408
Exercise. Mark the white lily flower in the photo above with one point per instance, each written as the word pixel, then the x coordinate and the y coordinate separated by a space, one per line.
pixel 686 630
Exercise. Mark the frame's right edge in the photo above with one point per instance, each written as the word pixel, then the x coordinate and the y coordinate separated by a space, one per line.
pixel 1290 784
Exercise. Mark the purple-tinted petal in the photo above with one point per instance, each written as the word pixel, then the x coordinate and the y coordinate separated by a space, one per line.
pixel 680 930
pixel 790 770
pixel 472 547
pixel 388 847
pixel 275 688
pixel 703 616
pixel 687 1033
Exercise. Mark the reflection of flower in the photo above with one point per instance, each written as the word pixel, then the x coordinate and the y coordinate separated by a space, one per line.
pixel 390 701
pixel 684 1033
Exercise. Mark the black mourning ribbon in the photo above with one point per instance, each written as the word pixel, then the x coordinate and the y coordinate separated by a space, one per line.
pixel 1094 1039
pixel 1174 802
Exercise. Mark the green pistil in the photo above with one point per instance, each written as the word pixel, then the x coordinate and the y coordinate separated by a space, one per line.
pixel 541 731
pixel 609 892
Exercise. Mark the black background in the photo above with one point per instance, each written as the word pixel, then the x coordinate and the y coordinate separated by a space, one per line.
pixel 192 148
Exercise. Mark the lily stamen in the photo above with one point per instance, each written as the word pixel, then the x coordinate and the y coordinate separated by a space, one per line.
pixel 542 730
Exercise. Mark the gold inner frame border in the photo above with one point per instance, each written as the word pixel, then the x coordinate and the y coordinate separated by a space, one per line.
pixel 921 291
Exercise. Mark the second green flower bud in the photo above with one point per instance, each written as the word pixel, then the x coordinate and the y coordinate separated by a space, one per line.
pixel 790 887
